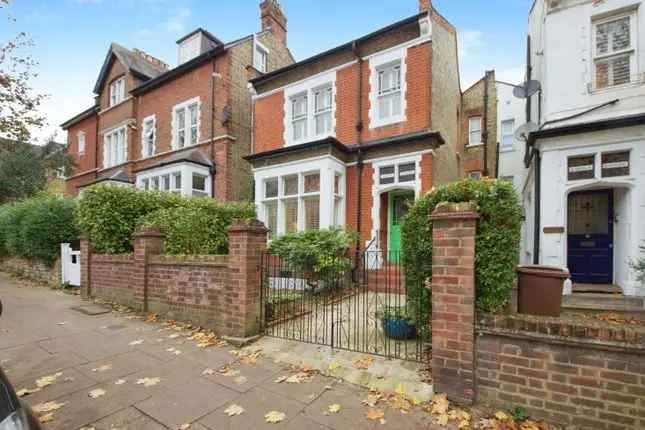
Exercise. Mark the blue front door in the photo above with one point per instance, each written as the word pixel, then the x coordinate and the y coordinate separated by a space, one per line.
pixel 590 234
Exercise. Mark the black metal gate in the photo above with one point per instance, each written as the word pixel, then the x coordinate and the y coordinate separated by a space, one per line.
pixel 368 308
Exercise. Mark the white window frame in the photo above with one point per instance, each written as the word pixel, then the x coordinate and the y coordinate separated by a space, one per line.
pixel 332 205
pixel 479 119
pixel 503 144
pixel 111 154
pixel 185 172
pixel 632 51
pixel 377 63
pixel 186 126
pixel 144 137
pixel 327 111
pixel 117 91
pixel 309 87
pixel 80 140
pixel 260 52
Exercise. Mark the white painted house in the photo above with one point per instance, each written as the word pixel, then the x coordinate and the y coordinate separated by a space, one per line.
pixel 585 193
pixel 511 114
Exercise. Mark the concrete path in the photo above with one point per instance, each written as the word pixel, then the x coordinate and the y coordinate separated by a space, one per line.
pixel 179 383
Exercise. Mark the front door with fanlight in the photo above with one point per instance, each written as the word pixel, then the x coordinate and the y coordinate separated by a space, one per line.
pixel 590 236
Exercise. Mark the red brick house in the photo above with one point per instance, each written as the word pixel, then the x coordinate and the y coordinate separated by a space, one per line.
pixel 183 129
pixel 348 137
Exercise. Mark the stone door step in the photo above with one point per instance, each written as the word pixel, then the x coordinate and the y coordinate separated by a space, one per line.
pixel 604 302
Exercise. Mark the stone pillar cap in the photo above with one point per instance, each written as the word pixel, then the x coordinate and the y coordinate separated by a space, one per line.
pixel 462 210
pixel 149 232
pixel 255 225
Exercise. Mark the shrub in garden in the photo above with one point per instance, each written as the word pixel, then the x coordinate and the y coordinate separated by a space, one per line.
pixel 198 225
pixel 322 253
pixel 110 216
pixel 35 228
pixel 496 247
pixel 639 267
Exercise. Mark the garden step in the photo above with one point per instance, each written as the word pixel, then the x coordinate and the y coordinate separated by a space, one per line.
pixel 604 302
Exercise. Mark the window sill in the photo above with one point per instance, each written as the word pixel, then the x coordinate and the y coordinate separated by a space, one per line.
pixel 474 145
pixel 611 88
pixel 385 122
pixel 109 108
pixel 309 139
pixel 502 150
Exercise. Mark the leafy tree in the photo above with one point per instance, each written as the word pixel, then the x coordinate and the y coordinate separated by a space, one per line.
pixel 25 169
pixel 18 104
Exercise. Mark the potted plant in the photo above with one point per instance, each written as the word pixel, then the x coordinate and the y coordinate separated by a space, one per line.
pixel 397 323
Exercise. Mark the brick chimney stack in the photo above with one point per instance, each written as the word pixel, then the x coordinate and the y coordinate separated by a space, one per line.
pixel 273 19
pixel 425 5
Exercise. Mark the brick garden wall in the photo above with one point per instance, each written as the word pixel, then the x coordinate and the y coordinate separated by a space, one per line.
pixel 32 270
pixel 221 292
pixel 581 374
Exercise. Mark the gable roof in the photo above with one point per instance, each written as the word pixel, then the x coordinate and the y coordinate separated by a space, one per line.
pixel 133 62
pixel 80 117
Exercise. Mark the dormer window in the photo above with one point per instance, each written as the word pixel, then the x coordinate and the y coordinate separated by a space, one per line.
pixel 117 91
pixel 614 51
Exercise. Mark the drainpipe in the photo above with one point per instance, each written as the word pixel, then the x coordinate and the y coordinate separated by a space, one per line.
pixel 485 123
pixel 359 161
pixel 538 191
pixel 252 179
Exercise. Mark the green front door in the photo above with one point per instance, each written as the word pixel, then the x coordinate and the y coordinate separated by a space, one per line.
pixel 399 205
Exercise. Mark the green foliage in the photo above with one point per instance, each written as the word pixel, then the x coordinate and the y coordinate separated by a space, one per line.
pixel 396 313
pixel 497 241
pixel 35 228
pixel 319 252
pixel 638 266
pixel 199 225
pixel 519 413
pixel 110 216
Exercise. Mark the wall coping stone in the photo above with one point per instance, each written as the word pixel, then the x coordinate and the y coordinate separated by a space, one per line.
pixel 447 210
pixel 252 225
pixel 563 331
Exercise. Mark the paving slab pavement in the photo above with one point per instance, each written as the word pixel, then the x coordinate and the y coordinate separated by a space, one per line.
pixel 40 335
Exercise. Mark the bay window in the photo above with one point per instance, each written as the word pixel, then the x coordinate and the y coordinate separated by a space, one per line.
pixel 186 179
pixel 614 41
pixel 186 124
pixel 114 147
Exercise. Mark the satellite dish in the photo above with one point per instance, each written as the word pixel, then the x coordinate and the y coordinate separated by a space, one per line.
pixel 527 89
pixel 522 132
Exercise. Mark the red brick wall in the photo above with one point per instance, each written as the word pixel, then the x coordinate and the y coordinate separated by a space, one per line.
pixel 269 122
pixel 572 374
pixel 112 278
pixel 269 110
pixel 88 160
pixel 426 172
pixel 219 292
pixel 366 198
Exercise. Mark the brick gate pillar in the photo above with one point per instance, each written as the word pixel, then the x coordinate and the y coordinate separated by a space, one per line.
pixel 247 243
pixel 454 226
pixel 147 242
pixel 86 268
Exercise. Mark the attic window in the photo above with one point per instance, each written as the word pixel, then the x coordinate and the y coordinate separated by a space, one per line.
pixel 260 58
pixel 117 91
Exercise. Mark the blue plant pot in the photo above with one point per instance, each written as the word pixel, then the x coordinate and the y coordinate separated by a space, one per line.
pixel 399 329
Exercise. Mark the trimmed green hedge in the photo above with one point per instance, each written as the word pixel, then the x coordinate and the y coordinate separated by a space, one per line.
pixel 199 226
pixel 35 228
pixel 497 241
pixel 110 215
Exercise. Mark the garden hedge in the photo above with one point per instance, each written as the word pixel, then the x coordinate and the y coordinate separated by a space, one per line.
pixel 496 247
pixel 35 228
pixel 109 216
